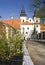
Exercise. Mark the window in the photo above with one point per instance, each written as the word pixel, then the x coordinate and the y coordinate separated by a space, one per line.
pixel 37 25
pixel 23 20
pixel 30 20
pixel 23 30
pixel 36 21
pixel 26 32
pixel 28 28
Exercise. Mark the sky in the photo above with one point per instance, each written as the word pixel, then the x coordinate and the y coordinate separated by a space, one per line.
pixel 10 8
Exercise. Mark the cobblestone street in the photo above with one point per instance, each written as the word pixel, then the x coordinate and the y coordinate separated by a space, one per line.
pixel 37 52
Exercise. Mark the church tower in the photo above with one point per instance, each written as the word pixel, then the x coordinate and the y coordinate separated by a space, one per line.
pixel 23 15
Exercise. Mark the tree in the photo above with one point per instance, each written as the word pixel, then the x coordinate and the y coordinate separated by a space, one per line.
pixel 41 8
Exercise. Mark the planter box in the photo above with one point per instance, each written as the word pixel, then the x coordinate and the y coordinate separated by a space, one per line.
pixel 16 60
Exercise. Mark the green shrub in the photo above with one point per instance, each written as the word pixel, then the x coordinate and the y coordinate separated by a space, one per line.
pixel 10 47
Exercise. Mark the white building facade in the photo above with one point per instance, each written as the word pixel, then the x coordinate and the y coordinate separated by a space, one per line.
pixel 26 26
pixel 27 30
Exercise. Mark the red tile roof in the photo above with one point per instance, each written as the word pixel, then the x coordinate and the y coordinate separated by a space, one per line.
pixel 42 27
pixel 14 23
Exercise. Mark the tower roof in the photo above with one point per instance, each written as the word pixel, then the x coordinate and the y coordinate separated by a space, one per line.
pixel 23 12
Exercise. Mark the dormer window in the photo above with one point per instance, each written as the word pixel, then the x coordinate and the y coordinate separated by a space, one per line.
pixel 30 20
pixel 23 20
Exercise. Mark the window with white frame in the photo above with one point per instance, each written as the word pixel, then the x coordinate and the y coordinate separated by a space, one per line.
pixel 27 28
pixel 26 32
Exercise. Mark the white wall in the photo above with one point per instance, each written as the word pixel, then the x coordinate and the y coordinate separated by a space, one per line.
pixel 29 31
pixel 35 18
pixel 38 29
pixel 30 20
pixel 23 18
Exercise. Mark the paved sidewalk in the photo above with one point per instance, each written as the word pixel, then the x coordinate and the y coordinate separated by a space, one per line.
pixel 26 59
pixel 36 51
